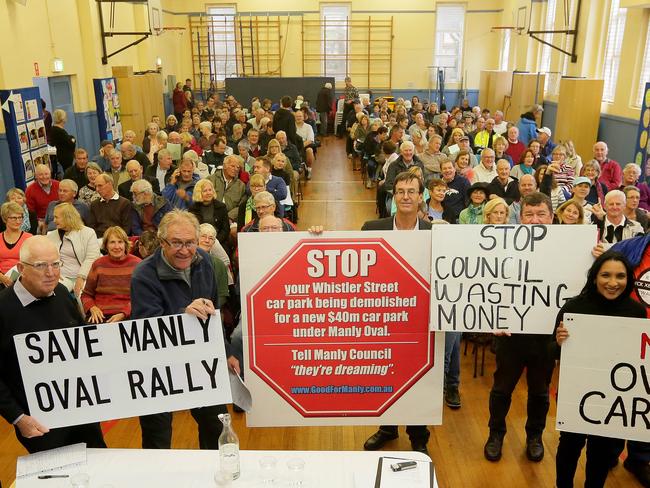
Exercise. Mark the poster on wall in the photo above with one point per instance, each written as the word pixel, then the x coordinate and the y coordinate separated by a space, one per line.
pixel 37 157
pixel 23 137
pixel 33 134
pixel 23 118
pixel 108 109
pixel 28 166
pixel 40 130
pixel 31 107
pixel 18 108
pixel 336 329
pixel 604 386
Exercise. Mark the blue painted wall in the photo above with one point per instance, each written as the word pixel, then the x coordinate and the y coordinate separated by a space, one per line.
pixel 618 132
pixel 88 132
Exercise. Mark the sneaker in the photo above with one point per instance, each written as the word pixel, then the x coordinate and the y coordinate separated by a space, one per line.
pixel 640 470
pixel 368 183
pixel 308 173
pixel 452 397
pixel 493 446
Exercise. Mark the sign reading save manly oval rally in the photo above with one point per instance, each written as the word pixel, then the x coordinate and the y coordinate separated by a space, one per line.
pixel 337 329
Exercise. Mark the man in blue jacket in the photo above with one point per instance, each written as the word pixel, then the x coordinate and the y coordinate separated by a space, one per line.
pixel 178 278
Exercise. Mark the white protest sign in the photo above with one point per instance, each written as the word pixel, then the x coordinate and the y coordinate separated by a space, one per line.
pixel 605 377
pixel 336 329
pixel 487 278
pixel 135 367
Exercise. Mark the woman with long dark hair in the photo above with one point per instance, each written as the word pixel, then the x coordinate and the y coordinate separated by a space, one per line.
pixel 607 292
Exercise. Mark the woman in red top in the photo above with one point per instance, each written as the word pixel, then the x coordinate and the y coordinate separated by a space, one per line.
pixel 179 101
pixel 107 294
pixel 11 239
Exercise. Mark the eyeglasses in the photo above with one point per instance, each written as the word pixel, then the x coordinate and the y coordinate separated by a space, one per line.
pixel 262 207
pixel 178 245
pixel 209 238
pixel 410 192
pixel 15 217
pixel 41 266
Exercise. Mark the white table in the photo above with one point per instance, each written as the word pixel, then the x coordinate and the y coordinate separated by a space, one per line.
pixel 180 468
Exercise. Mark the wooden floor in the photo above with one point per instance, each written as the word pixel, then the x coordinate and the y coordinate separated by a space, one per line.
pixel 336 199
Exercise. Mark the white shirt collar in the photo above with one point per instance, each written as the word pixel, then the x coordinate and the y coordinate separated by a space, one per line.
pixel 417 225
pixel 23 295
pixel 115 196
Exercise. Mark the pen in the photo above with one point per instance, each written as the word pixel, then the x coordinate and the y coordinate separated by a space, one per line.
pixel 50 476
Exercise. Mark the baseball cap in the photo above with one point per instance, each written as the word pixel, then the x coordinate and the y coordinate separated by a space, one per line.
pixel 545 130
pixel 580 180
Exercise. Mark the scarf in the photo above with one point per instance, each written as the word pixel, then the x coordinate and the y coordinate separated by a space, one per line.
pixel 26 225
pixel 249 211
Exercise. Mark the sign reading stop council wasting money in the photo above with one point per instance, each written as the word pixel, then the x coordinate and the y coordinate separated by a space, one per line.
pixel 339 327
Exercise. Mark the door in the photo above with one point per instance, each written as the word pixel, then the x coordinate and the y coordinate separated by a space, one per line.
pixel 61 97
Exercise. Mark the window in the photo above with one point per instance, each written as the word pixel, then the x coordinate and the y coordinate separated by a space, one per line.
pixel 613 49
pixel 335 34
pixel 644 77
pixel 223 56
pixel 505 52
pixel 545 58
pixel 450 27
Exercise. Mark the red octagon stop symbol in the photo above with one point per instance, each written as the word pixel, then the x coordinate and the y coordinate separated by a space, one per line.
pixel 340 327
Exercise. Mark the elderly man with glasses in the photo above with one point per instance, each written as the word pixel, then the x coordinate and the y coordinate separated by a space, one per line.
pixel 178 278
pixel 37 302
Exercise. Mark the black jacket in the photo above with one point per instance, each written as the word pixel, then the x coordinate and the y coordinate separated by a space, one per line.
pixel 387 224
pixel 324 100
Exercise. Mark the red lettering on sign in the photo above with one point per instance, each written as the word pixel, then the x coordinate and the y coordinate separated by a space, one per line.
pixel 645 344
pixel 340 328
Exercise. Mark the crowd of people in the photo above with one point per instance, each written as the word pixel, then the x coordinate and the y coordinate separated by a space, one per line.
pixel 145 227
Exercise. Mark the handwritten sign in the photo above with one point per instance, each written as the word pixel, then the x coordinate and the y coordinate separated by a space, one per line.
pixel 489 278
pixel 605 377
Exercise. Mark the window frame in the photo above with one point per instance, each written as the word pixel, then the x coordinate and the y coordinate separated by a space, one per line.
pixel 329 68
pixel 223 69
pixel 443 21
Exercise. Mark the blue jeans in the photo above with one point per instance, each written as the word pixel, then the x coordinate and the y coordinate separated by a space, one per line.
pixel 452 358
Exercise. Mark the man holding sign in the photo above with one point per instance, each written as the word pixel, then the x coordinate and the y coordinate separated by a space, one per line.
pixel 519 352
pixel 178 278
pixel 408 192
pixel 37 302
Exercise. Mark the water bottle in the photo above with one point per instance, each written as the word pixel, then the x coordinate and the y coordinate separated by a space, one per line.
pixel 228 448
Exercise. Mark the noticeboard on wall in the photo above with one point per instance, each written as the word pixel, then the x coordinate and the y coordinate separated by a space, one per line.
pixel 642 149
pixel 108 109
pixel 26 136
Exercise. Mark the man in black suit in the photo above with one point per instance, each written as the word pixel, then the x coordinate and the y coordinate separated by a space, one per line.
pixel 135 173
pixel 407 192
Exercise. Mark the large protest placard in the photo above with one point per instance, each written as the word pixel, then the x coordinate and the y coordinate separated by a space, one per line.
pixel 336 329
pixel 135 367
pixel 605 377
pixel 515 278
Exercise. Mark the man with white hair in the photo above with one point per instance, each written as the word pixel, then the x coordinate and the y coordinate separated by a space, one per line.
pixel 129 151
pixel 162 170
pixel 41 191
pixel 306 133
pixel 610 171
pixel 290 150
pixel 515 147
pixel 129 136
pixel 67 194
pixel 148 208
pixel 134 169
pixel 36 303
pixel 616 227
pixel 500 125
pixel 255 122
pixel 178 278
pixel 109 209
pixel 486 171
pixel 406 159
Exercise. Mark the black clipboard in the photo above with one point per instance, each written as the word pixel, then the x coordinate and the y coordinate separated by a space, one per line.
pixel 380 465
